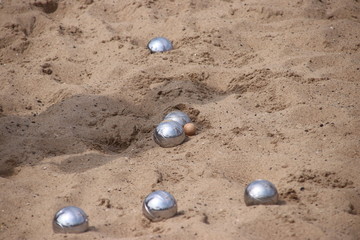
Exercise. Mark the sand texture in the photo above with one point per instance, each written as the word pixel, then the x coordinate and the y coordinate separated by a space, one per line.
pixel 272 85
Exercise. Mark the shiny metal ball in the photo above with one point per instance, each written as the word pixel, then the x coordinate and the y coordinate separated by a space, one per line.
pixel 179 117
pixel 159 205
pixel 261 192
pixel 159 44
pixel 70 220
pixel 169 134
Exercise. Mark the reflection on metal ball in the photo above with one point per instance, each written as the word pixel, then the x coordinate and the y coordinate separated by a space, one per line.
pixel 169 134
pixel 159 44
pixel 261 192
pixel 179 117
pixel 159 205
pixel 70 220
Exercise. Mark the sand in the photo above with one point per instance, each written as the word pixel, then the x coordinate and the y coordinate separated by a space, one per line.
pixel 273 87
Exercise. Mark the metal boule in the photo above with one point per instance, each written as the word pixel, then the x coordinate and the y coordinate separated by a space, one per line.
pixel 159 205
pixel 261 192
pixel 70 220
pixel 159 44
pixel 169 134
pixel 179 117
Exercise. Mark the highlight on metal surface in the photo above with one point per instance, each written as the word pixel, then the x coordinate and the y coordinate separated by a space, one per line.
pixel 159 44
pixel 261 192
pixel 159 205
pixel 70 220
pixel 178 116
pixel 169 134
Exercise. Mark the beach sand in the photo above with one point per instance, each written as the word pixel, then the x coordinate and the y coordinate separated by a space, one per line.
pixel 273 87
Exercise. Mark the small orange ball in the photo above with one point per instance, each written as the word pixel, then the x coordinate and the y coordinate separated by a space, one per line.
pixel 190 129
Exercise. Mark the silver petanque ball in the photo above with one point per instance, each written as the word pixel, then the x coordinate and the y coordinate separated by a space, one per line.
pixel 261 192
pixel 159 44
pixel 169 134
pixel 70 220
pixel 159 205
pixel 179 117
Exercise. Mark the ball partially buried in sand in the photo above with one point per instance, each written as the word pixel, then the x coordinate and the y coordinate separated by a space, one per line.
pixel 178 116
pixel 159 44
pixel 70 220
pixel 261 192
pixel 190 129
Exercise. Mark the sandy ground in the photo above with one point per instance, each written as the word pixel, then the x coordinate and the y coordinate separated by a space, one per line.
pixel 273 87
